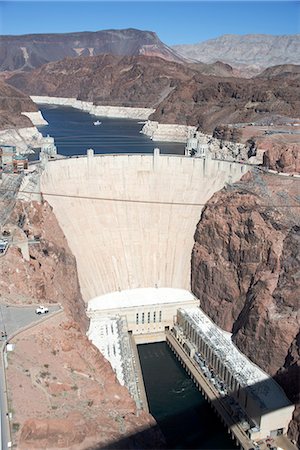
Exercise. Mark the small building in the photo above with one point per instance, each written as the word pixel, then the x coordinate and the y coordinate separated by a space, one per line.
pixel 20 163
pixel 258 402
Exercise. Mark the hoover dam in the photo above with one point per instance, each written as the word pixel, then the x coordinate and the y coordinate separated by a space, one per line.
pixel 130 218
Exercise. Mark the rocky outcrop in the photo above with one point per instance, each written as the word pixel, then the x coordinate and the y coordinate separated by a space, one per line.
pixel 251 52
pixel 245 267
pixel 282 157
pixel 36 118
pixel 207 102
pixel 33 50
pixel 50 275
pixel 12 104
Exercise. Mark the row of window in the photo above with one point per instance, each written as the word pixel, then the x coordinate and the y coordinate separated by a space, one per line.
pixel 140 317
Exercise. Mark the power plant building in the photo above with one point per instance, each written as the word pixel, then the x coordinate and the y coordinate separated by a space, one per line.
pixel 148 311
pixel 257 400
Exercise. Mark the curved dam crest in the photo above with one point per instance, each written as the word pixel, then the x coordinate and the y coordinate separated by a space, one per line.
pixel 120 244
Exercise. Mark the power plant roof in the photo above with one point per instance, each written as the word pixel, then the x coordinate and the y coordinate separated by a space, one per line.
pixel 139 297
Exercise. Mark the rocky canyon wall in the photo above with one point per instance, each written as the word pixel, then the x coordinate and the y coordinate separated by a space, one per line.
pixel 50 275
pixel 245 271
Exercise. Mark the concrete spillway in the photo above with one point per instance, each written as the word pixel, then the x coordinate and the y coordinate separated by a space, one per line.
pixel 145 242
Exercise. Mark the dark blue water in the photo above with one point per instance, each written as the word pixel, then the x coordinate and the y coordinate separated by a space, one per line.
pixel 184 416
pixel 74 133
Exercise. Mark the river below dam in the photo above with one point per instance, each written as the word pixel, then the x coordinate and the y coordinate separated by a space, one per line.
pixel 74 132
pixel 184 416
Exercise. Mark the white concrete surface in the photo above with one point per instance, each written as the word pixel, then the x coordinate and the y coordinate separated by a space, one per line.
pixel 102 111
pixel 144 242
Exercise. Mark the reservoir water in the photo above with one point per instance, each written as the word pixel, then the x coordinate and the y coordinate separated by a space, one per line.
pixel 74 132
pixel 184 416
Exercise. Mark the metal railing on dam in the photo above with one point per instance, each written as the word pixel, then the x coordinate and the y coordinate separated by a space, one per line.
pixel 130 219
pixel 210 393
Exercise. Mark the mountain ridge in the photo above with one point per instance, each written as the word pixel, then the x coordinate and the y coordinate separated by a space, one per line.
pixel 26 52
pixel 250 52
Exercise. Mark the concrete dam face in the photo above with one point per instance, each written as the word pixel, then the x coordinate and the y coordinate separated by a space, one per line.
pixel 130 219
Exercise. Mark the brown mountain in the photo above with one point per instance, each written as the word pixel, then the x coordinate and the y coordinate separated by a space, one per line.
pixel 217 69
pixel 12 103
pixel 106 79
pixel 210 101
pixel 32 50
pixel 291 71
pixel 180 94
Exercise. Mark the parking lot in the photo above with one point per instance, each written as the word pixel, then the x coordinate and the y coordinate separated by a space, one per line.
pixel 13 318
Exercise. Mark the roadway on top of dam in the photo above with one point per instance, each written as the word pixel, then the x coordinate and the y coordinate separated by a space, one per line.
pixel 145 240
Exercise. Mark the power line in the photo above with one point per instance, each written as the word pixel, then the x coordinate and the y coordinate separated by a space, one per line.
pixel 155 202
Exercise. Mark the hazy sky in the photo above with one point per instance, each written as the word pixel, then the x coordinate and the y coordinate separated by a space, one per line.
pixel 174 22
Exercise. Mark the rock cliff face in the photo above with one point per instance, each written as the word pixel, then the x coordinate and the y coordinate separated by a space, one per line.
pixel 245 267
pixel 282 157
pixel 32 50
pixel 12 104
pixel 50 275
